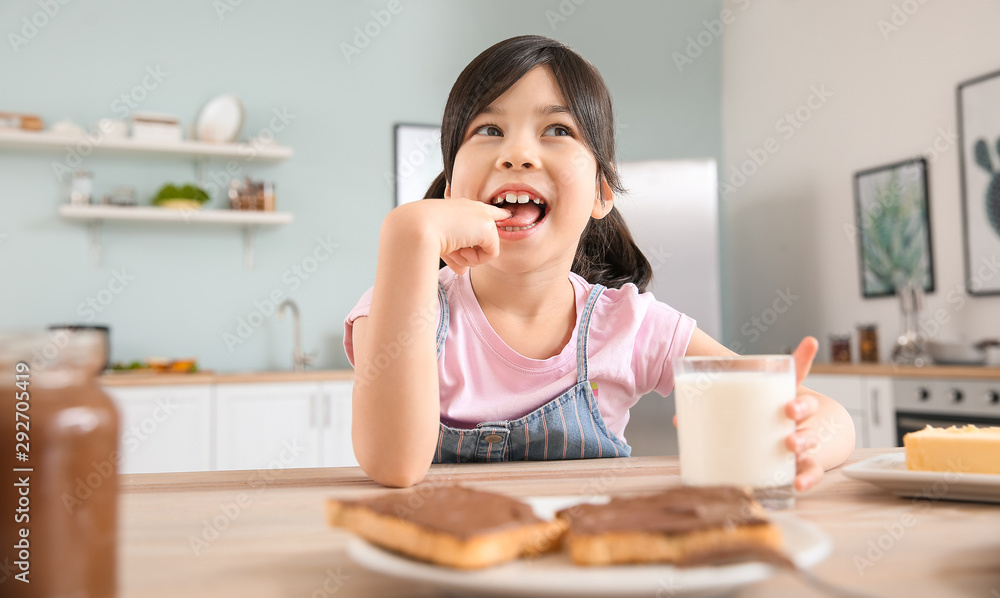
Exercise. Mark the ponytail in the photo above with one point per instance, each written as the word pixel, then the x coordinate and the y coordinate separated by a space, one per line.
pixel 607 254
pixel 436 190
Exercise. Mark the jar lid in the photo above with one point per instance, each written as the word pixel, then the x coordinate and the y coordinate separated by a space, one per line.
pixel 61 349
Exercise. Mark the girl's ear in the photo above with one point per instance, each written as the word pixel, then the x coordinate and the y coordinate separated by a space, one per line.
pixel 603 190
pixel 447 190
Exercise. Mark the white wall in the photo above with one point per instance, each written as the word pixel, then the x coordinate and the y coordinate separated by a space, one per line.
pixel 893 96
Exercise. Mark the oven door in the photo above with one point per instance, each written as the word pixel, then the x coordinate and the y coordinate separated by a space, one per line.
pixel 908 421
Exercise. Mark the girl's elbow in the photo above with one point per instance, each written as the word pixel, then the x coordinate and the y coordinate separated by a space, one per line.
pixel 401 471
pixel 396 475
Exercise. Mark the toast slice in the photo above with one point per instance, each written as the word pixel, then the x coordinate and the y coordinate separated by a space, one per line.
pixel 452 525
pixel 685 526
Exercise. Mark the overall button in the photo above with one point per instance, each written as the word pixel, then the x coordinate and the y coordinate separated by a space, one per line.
pixel 493 438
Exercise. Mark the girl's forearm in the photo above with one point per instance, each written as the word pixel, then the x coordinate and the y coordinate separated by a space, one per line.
pixel 396 404
pixel 833 430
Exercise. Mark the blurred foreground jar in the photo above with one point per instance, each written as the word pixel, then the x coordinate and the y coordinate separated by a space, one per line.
pixel 59 492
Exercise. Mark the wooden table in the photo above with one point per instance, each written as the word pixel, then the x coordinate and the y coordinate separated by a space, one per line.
pixel 262 533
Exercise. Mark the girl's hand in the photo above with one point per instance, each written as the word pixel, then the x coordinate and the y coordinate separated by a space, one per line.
pixel 804 442
pixel 467 229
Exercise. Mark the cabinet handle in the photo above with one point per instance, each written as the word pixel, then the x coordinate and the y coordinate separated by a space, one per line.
pixel 312 410
pixel 875 415
pixel 325 402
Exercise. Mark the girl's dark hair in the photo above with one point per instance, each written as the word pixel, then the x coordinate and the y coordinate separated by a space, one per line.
pixel 607 254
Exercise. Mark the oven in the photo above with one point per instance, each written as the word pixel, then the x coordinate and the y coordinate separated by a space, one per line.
pixel 944 402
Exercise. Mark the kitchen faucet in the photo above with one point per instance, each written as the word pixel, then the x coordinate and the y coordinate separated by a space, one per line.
pixel 300 358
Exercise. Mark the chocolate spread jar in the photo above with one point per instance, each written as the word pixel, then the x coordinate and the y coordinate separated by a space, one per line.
pixel 59 480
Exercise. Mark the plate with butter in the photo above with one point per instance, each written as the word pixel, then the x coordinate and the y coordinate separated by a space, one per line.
pixel 955 463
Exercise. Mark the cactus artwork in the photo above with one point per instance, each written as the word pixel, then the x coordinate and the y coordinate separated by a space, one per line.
pixel 982 153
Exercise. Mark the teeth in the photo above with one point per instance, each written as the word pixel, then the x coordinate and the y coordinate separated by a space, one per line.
pixel 510 197
pixel 511 229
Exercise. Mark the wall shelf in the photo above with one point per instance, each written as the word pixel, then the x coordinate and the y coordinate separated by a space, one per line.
pixel 42 141
pixel 95 216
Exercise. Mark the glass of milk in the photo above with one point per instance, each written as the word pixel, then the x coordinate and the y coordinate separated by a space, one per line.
pixel 731 424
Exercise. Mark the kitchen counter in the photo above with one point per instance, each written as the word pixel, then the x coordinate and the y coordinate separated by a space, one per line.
pixel 263 533
pixel 146 379
pixel 969 372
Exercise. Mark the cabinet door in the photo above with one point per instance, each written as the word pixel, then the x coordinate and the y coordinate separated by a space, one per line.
pixel 267 426
pixel 337 448
pixel 881 412
pixel 164 428
pixel 846 390
pixel 849 391
pixel 861 428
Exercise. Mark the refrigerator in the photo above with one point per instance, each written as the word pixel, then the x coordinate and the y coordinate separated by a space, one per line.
pixel 672 209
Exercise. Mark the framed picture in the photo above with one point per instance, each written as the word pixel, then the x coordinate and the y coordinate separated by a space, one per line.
pixel 979 170
pixel 418 160
pixel 893 223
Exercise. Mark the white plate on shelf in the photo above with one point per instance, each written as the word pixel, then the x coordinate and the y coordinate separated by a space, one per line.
pixel 221 120
pixel 556 575
pixel 889 471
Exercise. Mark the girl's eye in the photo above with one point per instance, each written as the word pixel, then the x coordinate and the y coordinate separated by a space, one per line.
pixel 558 131
pixel 489 131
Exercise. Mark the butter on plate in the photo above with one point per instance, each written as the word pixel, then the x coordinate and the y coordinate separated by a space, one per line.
pixel 967 449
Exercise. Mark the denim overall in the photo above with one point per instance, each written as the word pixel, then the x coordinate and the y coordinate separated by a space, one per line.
pixel 568 427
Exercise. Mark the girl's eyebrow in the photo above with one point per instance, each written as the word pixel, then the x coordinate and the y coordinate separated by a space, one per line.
pixel 554 109
pixel 546 110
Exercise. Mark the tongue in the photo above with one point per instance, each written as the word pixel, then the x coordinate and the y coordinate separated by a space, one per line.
pixel 522 214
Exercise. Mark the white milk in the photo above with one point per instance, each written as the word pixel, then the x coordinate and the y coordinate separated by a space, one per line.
pixel 732 428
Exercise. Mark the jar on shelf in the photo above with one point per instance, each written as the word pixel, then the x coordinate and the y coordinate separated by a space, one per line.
pixel 840 348
pixel 59 480
pixel 868 343
pixel 81 187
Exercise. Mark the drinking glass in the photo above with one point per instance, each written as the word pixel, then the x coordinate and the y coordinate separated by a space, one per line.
pixel 732 426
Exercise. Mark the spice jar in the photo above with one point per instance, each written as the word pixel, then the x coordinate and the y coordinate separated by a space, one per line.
pixel 59 482
pixel 840 348
pixel 868 343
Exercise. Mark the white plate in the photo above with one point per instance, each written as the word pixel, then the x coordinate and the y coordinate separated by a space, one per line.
pixel 221 120
pixel 555 575
pixel 889 471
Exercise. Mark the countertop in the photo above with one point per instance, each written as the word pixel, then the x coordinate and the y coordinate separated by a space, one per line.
pixel 969 372
pixel 849 369
pixel 146 379
pixel 263 533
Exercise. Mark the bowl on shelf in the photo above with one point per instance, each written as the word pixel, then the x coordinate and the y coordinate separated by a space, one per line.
pixel 180 204
pixel 956 353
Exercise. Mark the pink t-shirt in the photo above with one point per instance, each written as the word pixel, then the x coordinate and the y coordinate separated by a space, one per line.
pixel 633 338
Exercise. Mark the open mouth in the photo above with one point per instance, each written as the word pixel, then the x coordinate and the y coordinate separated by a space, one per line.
pixel 526 209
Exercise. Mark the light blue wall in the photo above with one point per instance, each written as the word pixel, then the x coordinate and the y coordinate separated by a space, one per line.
pixel 189 286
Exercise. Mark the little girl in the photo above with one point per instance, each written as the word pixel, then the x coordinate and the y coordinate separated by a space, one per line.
pixel 537 338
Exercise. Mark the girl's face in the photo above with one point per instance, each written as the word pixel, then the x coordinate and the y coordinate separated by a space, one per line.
pixel 526 147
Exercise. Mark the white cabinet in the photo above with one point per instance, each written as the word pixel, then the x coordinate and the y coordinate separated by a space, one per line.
pixel 164 428
pixel 337 448
pixel 267 426
pixel 868 400
pixel 881 411
pixel 281 425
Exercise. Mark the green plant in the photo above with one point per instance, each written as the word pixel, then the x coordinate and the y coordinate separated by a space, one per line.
pixel 894 240
pixel 169 191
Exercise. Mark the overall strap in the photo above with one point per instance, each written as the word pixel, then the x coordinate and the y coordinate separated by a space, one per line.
pixel 442 329
pixel 583 335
